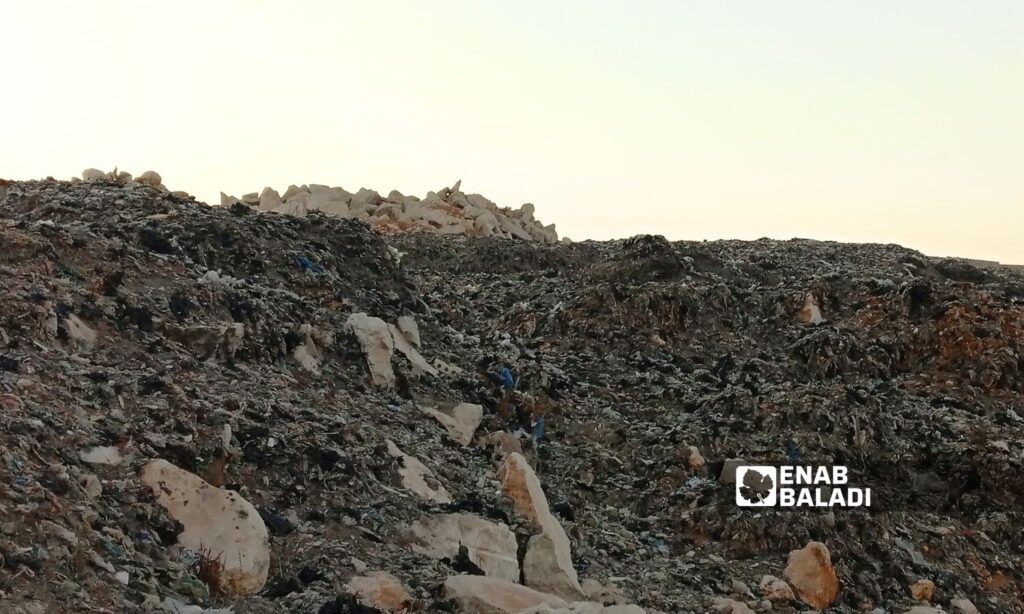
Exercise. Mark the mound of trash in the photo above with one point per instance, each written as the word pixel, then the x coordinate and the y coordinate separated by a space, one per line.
pixel 220 409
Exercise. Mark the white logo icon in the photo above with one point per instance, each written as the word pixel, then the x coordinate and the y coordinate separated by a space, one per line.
pixel 756 486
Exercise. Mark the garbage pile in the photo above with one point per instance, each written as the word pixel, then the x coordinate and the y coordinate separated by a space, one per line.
pixel 446 211
pixel 219 409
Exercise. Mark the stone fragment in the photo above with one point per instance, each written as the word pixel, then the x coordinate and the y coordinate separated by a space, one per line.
pixel 380 590
pixel 490 546
pixel 728 475
pixel 694 460
pixel 963 606
pixel 461 421
pixel 227 200
pixel 377 343
pixel 270 199
pixel 150 178
pixel 547 565
pixel 411 330
pixel 403 345
pixel 724 605
pixel 102 455
pixel 483 595
pixel 811 312
pixel 811 575
pixel 93 174
pixel 80 336
pixel 584 607
pixel 219 524
pixel 922 590
pixel 776 589
pixel 417 477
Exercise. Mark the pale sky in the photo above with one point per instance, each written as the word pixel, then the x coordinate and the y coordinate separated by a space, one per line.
pixel 853 120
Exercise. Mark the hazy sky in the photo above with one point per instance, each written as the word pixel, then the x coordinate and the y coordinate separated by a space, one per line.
pixel 858 120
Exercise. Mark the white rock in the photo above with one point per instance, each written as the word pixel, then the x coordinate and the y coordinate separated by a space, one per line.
pixel 417 477
pixel 483 595
pixel 490 546
pixel 409 328
pixel 461 422
pixel 80 336
pixel 401 343
pixel 380 590
pixel 293 191
pixel 547 565
pixel 378 345
pixel 102 455
pixel 270 199
pixel 226 200
pixel 150 178
pixel 219 523
pixel 93 174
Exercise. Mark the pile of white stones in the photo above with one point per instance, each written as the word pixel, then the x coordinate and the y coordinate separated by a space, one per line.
pixel 447 211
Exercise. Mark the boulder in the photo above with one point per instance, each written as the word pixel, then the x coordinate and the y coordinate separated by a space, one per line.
pixel 547 565
pixel 380 590
pixel 93 174
pixel 270 199
pixel 461 421
pixel 490 546
pixel 150 178
pixel 811 575
pixel 377 343
pixel 483 595
pixel 417 477
pixel 218 524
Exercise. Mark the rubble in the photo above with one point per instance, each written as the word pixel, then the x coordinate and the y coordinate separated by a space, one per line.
pixel 447 211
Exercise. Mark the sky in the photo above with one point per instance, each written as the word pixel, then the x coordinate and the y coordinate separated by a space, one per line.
pixel 849 120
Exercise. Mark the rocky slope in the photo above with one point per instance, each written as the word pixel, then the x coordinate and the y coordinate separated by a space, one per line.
pixel 213 408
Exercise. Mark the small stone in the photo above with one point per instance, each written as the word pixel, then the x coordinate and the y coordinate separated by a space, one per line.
pixel 776 589
pixel 150 178
pixel 694 460
pixel 380 590
pixel 963 606
pixel 922 590
pixel 728 475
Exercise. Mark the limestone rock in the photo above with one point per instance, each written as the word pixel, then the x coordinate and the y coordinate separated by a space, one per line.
pixel 775 589
pixel 810 573
pixel 417 477
pixel 150 178
pixel 963 606
pixel 377 343
pixel 219 523
pixel 411 330
pixel 80 336
pixel 694 460
pixel 811 312
pixel 270 199
pixel 547 565
pixel 490 546
pixel 483 595
pixel 731 606
pixel 403 345
pixel 922 590
pixel 728 475
pixel 380 590
pixel 102 455
pixel 93 174
pixel 461 422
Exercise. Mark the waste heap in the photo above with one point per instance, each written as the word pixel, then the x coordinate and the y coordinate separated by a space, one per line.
pixel 218 409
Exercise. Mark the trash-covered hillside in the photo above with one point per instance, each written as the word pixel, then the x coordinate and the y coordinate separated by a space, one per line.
pixel 222 409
